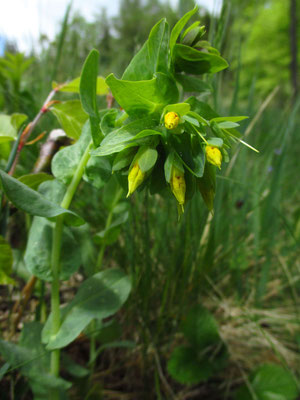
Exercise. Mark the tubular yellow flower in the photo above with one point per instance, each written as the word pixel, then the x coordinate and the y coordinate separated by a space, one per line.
pixel 178 185
pixel 213 155
pixel 171 120
pixel 135 178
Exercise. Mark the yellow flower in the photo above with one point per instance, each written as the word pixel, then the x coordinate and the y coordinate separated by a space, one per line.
pixel 135 178
pixel 171 120
pixel 213 155
pixel 178 186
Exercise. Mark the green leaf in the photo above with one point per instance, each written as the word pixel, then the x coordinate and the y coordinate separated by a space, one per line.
pixel 123 159
pixel 192 35
pixel 185 366
pixel 195 120
pixel 232 119
pixel 66 160
pixel 98 297
pixel 26 359
pixel 218 142
pixel 180 108
pixel 227 125
pixel 33 361
pixel 205 356
pixel 190 28
pixel 111 234
pixel 88 83
pixel 201 108
pixel 145 133
pixel 118 139
pixel 207 185
pixel 101 88
pixel 34 180
pixel 88 88
pixel 32 202
pixel 179 26
pixel 139 67
pixel 97 171
pixel 9 125
pixel 73 368
pixel 198 156
pixel 192 116
pixel 74 86
pixel 108 331
pixel 200 328
pixel 153 56
pixel 196 62
pixel 140 98
pixel 157 181
pixel 108 120
pixel 189 150
pixel 7 130
pixel 70 116
pixel 192 84
pixel 158 47
pixel 112 193
pixel 6 261
pixel 5 367
pixel 87 249
pixel 270 382
pixel 226 134
pixel 168 166
pixel 5 150
pixel 17 120
pixel 107 236
pixel 39 246
pixel 146 157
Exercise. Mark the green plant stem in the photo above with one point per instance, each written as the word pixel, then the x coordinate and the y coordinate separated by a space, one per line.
pixel 55 259
pixel 76 178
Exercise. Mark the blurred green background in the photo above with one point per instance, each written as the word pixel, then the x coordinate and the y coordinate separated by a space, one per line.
pixel 242 263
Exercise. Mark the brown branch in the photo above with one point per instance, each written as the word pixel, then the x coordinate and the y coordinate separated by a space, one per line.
pixel 21 304
pixel 30 127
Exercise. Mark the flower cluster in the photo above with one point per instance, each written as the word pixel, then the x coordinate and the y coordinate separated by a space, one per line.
pixel 185 129
pixel 160 143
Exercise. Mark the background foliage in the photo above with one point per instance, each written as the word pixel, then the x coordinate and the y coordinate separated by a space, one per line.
pixel 236 273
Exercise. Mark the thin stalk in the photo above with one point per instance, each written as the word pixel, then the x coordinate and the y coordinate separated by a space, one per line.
pixel 76 178
pixel 55 260
pixel 29 128
pixel 61 41
pixel 14 149
pixel 107 225
pixel 55 264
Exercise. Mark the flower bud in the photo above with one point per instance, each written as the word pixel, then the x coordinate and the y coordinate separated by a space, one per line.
pixel 178 186
pixel 213 155
pixel 171 120
pixel 135 178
